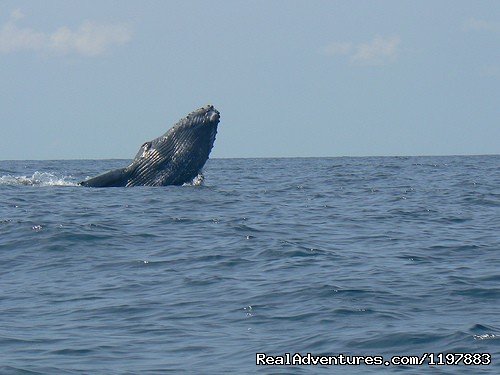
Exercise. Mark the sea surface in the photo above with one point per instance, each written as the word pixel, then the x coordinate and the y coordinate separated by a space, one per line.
pixel 355 256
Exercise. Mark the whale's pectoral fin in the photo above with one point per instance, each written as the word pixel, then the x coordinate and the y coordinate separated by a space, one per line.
pixel 143 151
pixel 112 178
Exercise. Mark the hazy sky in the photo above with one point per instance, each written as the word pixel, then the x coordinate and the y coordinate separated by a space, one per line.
pixel 95 79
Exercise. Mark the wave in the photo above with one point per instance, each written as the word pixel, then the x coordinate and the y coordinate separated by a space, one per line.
pixel 38 179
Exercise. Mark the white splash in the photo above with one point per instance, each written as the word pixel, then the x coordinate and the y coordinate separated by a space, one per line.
pixel 38 179
pixel 197 181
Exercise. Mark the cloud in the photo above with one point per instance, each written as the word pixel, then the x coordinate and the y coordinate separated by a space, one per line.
pixel 379 51
pixel 90 39
pixel 481 25
pixel 13 38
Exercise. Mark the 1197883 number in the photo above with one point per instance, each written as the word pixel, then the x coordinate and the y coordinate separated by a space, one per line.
pixel 468 359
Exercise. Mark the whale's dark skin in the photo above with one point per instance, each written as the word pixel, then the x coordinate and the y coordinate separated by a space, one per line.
pixel 175 158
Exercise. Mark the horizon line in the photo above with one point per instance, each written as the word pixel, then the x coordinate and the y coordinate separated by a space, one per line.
pixel 279 157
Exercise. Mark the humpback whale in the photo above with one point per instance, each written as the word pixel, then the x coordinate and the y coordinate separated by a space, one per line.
pixel 174 158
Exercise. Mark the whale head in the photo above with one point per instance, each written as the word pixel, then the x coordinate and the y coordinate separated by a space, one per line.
pixel 197 130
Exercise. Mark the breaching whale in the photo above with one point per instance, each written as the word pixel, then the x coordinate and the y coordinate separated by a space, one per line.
pixel 174 158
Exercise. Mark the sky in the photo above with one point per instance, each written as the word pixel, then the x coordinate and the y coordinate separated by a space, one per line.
pixel 96 79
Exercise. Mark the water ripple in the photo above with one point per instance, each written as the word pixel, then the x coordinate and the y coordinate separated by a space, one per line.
pixel 384 256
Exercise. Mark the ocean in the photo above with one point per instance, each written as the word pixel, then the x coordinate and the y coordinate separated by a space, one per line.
pixel 365 256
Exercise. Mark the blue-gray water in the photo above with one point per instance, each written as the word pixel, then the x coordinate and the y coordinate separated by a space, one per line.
pixel 386 256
